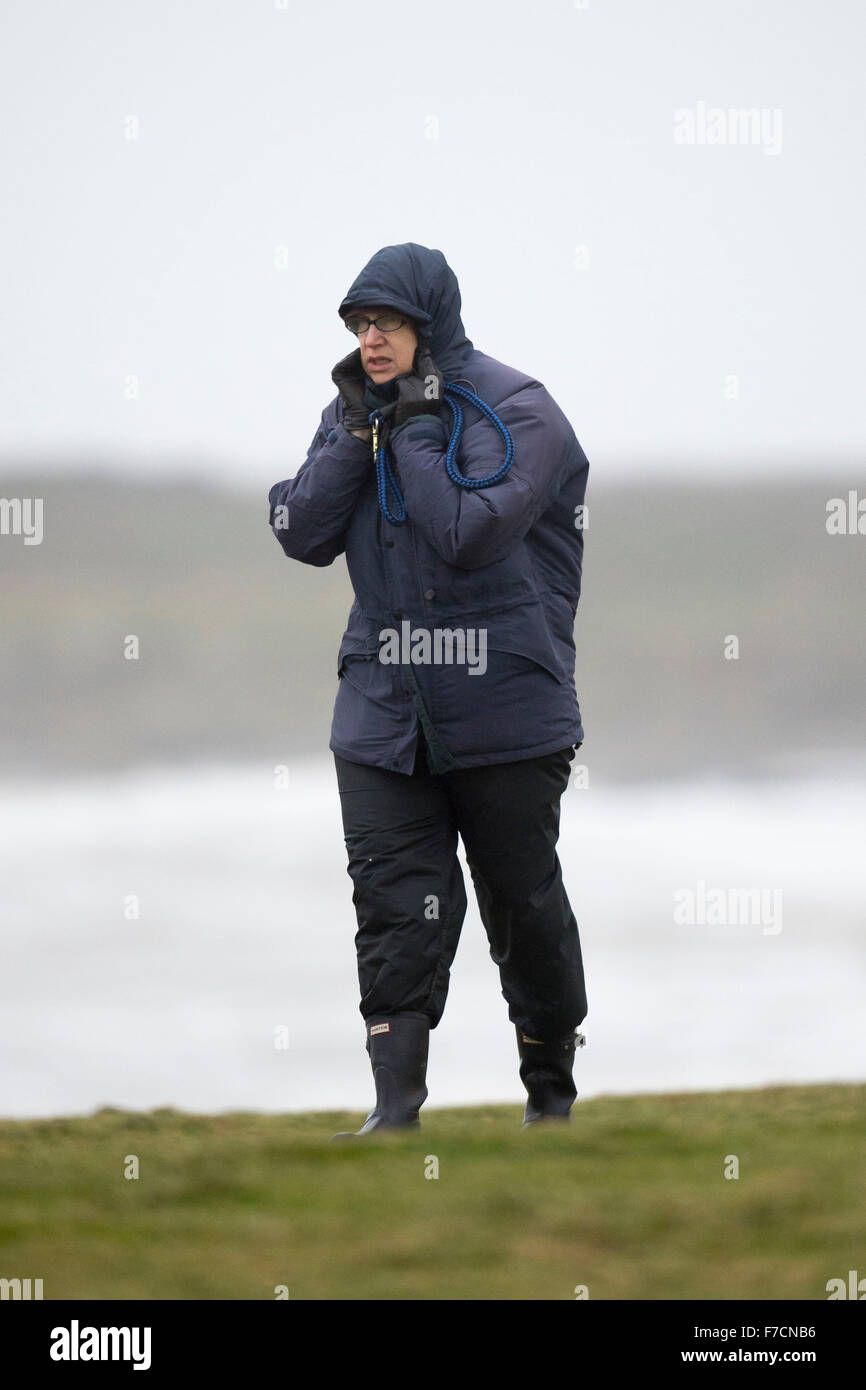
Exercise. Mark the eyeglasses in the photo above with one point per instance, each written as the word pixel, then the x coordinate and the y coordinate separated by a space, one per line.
pixel 386 323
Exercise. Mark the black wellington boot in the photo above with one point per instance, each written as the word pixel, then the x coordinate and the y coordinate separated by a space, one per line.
pixel 546 1072
pixel 398 1055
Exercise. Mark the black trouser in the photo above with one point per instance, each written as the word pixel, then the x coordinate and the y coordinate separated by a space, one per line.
pixel 410 900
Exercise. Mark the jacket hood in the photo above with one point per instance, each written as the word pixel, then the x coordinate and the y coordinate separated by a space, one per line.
pixel 421 284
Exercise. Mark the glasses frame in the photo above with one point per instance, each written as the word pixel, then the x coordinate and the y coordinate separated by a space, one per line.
pixel 374 323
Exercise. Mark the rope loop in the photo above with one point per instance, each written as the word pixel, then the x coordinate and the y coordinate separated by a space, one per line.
pixel 386 483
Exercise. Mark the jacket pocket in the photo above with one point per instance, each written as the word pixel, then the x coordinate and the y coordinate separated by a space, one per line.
pixel 361 642
pixel 524 631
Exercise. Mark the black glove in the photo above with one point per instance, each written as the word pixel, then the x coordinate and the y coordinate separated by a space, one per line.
pixel 422 393
pixel 348 377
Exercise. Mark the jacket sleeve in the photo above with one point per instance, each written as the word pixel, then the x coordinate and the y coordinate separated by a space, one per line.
pixel 309 514
pixel 474 527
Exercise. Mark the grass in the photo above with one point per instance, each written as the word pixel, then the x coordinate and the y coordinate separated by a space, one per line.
pixel 630 1201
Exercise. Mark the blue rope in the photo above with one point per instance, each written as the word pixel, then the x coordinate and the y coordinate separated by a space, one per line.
pixel 386 482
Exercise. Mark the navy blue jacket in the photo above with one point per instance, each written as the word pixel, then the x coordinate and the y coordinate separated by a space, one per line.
pixel 501 565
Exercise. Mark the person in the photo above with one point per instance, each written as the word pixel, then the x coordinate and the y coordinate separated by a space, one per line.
pixel 456 711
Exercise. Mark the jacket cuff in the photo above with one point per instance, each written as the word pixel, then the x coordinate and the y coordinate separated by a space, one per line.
pixel 341 438
pixel 424 426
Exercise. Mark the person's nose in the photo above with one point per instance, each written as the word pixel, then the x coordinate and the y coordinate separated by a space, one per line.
pixel 373 338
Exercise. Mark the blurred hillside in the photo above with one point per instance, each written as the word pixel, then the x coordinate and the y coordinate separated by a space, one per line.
pixel 238 644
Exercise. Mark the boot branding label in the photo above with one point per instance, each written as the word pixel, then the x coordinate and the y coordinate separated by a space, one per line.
pixel 380 1028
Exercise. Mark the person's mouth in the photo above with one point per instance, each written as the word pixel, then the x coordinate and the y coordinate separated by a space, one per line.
pixel 378 364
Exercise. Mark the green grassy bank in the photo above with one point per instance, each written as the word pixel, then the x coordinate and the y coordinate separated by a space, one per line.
pixel 631 1201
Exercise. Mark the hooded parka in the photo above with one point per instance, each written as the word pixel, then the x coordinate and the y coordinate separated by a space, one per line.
pixel 500 565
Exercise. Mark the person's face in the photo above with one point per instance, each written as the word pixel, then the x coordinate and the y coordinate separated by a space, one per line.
pixel 386 355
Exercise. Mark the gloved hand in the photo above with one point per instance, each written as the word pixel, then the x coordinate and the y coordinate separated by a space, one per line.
pixel 422 393
pixel 348 377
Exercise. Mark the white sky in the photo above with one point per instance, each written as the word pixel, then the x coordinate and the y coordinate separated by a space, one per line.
pixel 305 127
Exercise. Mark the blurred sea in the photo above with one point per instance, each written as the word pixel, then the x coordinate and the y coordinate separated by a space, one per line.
pixel 246 926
